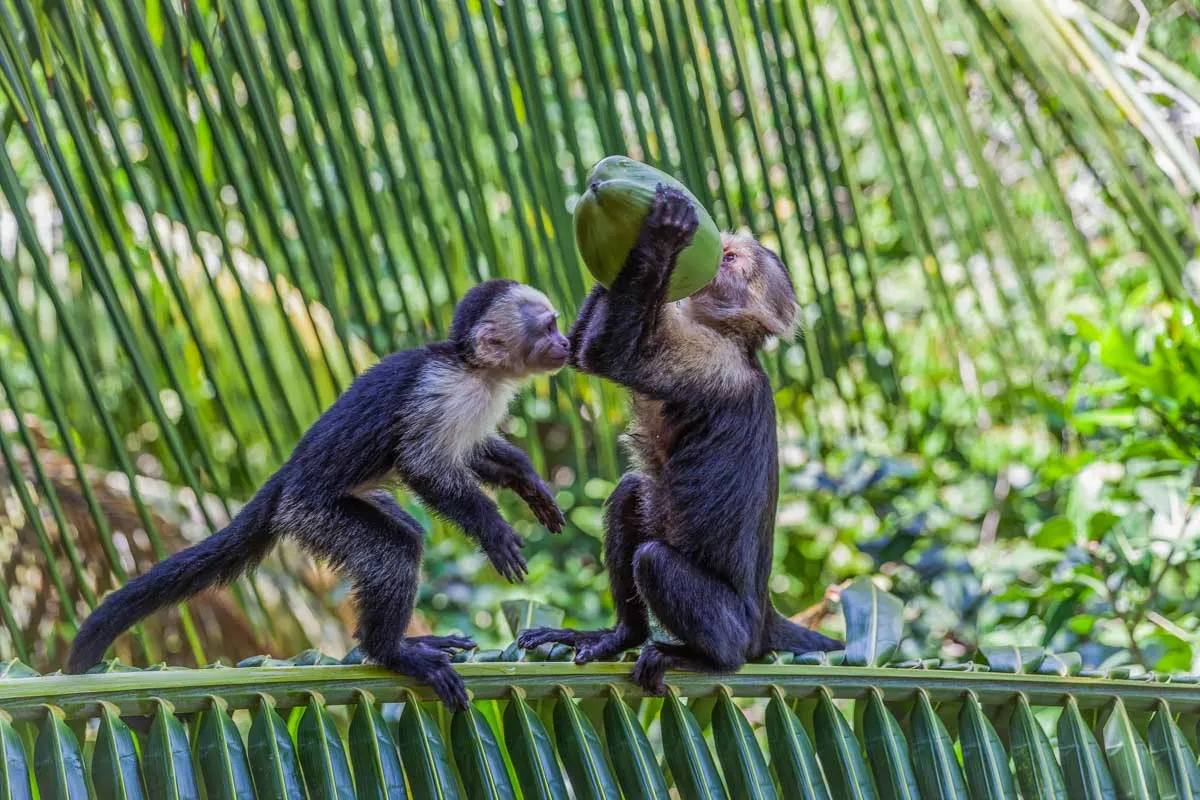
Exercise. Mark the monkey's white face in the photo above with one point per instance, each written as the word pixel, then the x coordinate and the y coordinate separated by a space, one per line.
pixel 520 335
pixel 546 348
pixel 751 294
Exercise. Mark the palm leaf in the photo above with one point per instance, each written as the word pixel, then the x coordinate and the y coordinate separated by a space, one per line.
pixel 324 180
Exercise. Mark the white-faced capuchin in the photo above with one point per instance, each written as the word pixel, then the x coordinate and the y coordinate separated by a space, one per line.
pixel 689 536
pixel 424 418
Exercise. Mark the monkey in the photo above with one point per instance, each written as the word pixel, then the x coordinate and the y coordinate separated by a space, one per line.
pixel 424 418
pixel 689 533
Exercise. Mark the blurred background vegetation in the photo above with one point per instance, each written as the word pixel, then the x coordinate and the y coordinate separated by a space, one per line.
pixel 215 213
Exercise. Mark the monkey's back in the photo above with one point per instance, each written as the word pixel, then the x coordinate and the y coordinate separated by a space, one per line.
pixel 355 442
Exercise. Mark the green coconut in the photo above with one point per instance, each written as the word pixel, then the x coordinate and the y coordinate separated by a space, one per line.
pixel 619 194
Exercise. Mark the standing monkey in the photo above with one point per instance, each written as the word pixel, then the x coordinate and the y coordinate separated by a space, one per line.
pixel 689 536
pixel 425 418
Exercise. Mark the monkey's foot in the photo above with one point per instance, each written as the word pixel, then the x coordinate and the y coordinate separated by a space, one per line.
pixel 450 688
pixel 649 670
pixel 429 665
pixel 589 645
pixel 806 641
pixel 444 643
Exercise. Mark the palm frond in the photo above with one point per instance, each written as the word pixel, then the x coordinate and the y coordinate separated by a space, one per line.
pixel 216 214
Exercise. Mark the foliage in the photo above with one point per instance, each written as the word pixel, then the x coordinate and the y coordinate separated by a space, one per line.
pixel 216 213
pixel 861 729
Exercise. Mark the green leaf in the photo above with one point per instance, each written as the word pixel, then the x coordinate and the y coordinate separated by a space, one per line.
pixel 633 759
pixel 58 760
pixel 272 755
pixel 1174 761
pixel 840 754
pixel 15 669
pixel 522 614
pixel 222 756
pixel 322 755
pixel 167 761
pixel 426 763
pixel 887 751
pixel 1083 765
pixel 1128 757
pixel 983 757
pixel 741 758
pixel 377 769
pixel 1037 770
pixel 115 769
pixel 531 751
pixel 874 624
pixel 792 756
pixel 686 752
pixel 1014 660
pixel 1056 533
pixel 582 752
pixel 478 756
pixel 15 779
pixel 939 776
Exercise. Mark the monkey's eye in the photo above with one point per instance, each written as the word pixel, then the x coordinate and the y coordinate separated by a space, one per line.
pixel 552 325
pixel 728 257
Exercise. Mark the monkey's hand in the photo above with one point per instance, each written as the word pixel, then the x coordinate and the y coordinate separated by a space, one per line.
pixel 671 223
pixel 504 551
pixel 540 500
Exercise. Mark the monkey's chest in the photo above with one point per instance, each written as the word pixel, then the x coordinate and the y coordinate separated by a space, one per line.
pixel 459 412
pixel 650 436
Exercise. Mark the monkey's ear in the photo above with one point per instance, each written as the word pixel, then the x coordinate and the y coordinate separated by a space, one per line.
pixel 490 344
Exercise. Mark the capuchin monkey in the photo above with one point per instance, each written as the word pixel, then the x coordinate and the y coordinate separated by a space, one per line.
pixel 424 418
pixel 689 535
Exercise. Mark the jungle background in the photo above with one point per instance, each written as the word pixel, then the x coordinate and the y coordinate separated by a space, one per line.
pixel 214 214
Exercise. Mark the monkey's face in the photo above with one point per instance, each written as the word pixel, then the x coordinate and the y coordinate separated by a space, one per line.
pixel 751 295
pixel 546 348
pixel 519 335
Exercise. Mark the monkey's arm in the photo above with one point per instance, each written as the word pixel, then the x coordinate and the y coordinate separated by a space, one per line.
pixel 619 332
pixel 458 498
pixel 591 309
pixel 498 463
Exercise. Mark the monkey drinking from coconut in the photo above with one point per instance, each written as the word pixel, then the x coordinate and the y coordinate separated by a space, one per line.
pixel 689 535
pixel 424 418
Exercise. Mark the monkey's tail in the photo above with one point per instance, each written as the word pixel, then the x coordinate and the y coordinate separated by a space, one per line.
pixel 783 634
pixel 217 560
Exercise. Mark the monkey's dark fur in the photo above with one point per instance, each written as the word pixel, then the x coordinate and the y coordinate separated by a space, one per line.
pixel 689 537
pixel 424 417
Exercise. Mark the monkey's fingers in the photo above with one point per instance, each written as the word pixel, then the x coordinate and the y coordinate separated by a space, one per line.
pixel 649 671
pixel 547 512
pixel 509 562
pixel 448 685
pixel 444 642
pixel 536 637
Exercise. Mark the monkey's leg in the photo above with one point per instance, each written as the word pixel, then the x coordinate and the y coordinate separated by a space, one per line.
pixel 379 546
pixel 713 623
pixel 387 504
pixel 624 530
